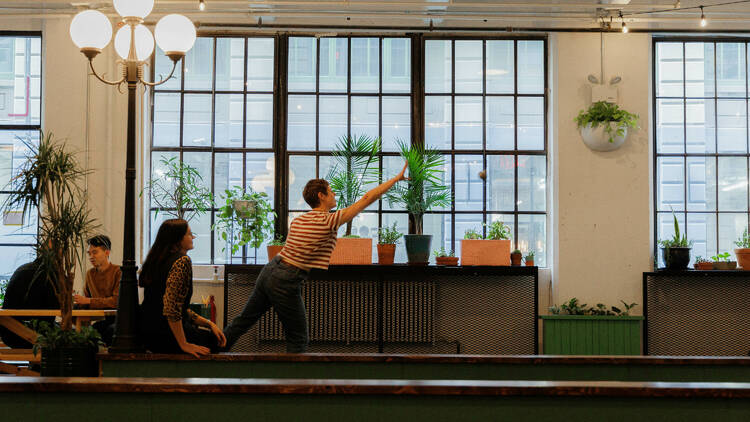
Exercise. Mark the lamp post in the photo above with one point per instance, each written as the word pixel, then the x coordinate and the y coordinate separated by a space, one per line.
pixel 91 31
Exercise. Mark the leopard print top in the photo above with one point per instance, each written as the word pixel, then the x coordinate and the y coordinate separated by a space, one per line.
pixel 179 283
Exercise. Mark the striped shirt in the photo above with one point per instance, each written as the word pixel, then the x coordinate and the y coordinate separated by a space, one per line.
pixel 311 239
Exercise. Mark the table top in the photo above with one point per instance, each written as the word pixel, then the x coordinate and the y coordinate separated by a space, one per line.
pixel 56 312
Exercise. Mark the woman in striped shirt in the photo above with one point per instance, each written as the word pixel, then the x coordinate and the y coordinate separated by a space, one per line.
pixel 311 239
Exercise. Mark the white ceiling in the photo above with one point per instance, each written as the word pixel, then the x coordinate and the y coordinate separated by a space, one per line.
pixel 476 14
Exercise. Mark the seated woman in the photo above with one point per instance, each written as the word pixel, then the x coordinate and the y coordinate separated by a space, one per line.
pixel 166 324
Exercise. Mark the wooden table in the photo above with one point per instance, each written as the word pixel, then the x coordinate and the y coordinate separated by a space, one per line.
pixel 81 317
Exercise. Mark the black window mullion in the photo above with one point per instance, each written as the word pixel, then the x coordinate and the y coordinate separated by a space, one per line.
pixel 515 144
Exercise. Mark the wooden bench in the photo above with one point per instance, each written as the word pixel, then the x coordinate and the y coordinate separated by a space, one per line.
pixel 159 399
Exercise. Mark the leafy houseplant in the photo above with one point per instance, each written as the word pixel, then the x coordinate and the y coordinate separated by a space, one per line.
pixel 387 238
pixel 676 251
pixel 445 258
pixel 529 259
pixel 515 257
pixel 721 262
pixel 422 191
pixel 577 329
pixel 242 226
pixel 275 246
pixel 605 121
pixel 49 181
pixel 493 250
pixel 177 192
pixel 53 343
pixel 742 252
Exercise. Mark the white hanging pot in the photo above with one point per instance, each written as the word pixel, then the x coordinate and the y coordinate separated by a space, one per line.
pixel 597 139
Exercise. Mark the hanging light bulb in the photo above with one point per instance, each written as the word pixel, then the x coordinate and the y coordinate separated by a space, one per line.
pixel 703 18
pixel 201 5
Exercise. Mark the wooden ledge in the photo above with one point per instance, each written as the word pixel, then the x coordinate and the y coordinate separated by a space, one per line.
pixel 373 387
pixel 455 359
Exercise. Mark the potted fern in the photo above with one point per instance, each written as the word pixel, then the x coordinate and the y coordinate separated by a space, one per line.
pixel 676 251
pixel 494 250
pixel 355 167
pixel 604 126
pixel 423 190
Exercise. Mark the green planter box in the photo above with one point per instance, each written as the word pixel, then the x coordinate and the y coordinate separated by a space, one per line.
pixel 591 335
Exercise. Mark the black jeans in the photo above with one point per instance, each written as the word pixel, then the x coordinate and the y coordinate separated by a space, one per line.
pixel 278 285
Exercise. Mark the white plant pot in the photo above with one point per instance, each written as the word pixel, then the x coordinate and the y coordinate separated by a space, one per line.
pixel 598 140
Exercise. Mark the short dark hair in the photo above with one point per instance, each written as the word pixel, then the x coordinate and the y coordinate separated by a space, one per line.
pixel 312 189
pixel 101 241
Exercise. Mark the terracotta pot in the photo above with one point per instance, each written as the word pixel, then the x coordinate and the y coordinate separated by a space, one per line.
pixel 446 260
pixel 352 251
pixel 515 259
pixel 704 266
pixel 725 265
pixel 485 252
pixel 273 250
pixel 386 252
pixel 529 263
pixel 743 258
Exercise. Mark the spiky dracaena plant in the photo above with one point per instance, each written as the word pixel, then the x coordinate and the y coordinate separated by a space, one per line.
pixel 355 167
pixel 48 181
pixel 424 188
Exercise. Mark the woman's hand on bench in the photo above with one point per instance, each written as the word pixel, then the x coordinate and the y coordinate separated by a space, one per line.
pixel 194 349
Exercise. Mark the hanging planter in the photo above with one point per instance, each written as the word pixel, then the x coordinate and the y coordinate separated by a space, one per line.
pixel 604 126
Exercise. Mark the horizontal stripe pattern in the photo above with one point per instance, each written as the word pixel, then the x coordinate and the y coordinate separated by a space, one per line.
pixel 311 239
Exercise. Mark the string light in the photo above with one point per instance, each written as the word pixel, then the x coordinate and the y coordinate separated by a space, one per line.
pixel 201 5
pixel 703 18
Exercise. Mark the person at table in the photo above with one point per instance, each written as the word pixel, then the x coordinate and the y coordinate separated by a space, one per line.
pixel 28 288
pixel 102 285
pixel 310 243
pixel 166 324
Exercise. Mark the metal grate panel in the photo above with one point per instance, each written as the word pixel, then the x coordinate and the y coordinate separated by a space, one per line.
pixel 697 314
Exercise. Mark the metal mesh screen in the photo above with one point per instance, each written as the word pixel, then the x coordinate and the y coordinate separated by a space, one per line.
pixel 697 314
pixel 446 314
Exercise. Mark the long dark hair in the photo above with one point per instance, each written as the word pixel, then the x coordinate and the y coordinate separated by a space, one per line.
pixel 171 232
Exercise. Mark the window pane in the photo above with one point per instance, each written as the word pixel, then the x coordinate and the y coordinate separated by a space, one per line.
pixel 260 53
pixel 333 119
pixel 14 257
pixel 438 122
pixel 365 65
pixel 201 228
pixel 161 70
pixel 365 120
pixel 196 124
pixel 701 230
pixel 532 236
pixel 701 126
pixel 14 230
pixel 334 53
pixel 670 183
pixel 301 123
pixel 396 121
pixel 500 113
pixel 532 178
pixel 731 226
pixel 730 69
pixel 469 66
pixel 20 80
pixel 391 166
pixel 530 67
pixel 14 153
pixel 259 125
pixel 468 195
pixel 701 183
pixel 699 68
pixel 669 67
pixel 439 226
pixel 302 64
pixel 402 225
pixel 301 169
pixel 530 123
pixel 438 63
pixel 230 64
pixel 227 174
pixel 166 120
pixel 500 69
pixel 500 183
pixel 200 161
pixel 260 173
pixel 468 124
pixel 199 66
pixel 228 120
pixel 732 183
pixel 732 121
pixel 396 65
pixel 364 225
pixel 445 178
pixel 670 130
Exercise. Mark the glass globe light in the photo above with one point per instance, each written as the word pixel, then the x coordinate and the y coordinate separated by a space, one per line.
pixel 134 8
pixel 144 42
pixel 90 29
pixel 175 34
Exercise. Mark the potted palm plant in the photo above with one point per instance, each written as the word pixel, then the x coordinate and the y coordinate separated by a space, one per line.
pixel 355 167
pixel 423 190
pixel 387 238
pixel 246 218
pixel 49 181
pixel 177 192
pixel 604 126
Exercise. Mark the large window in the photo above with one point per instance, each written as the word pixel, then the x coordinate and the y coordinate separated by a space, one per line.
pixel 20 111
pixel 701 137
pixel 218 118
pixel 484 107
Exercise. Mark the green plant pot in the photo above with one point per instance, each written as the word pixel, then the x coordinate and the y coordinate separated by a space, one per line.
pixel 592 335
pixel 418 248
pixel 69 362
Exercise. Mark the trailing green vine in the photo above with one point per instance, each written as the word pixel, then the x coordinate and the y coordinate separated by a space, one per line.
pixel 602 112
